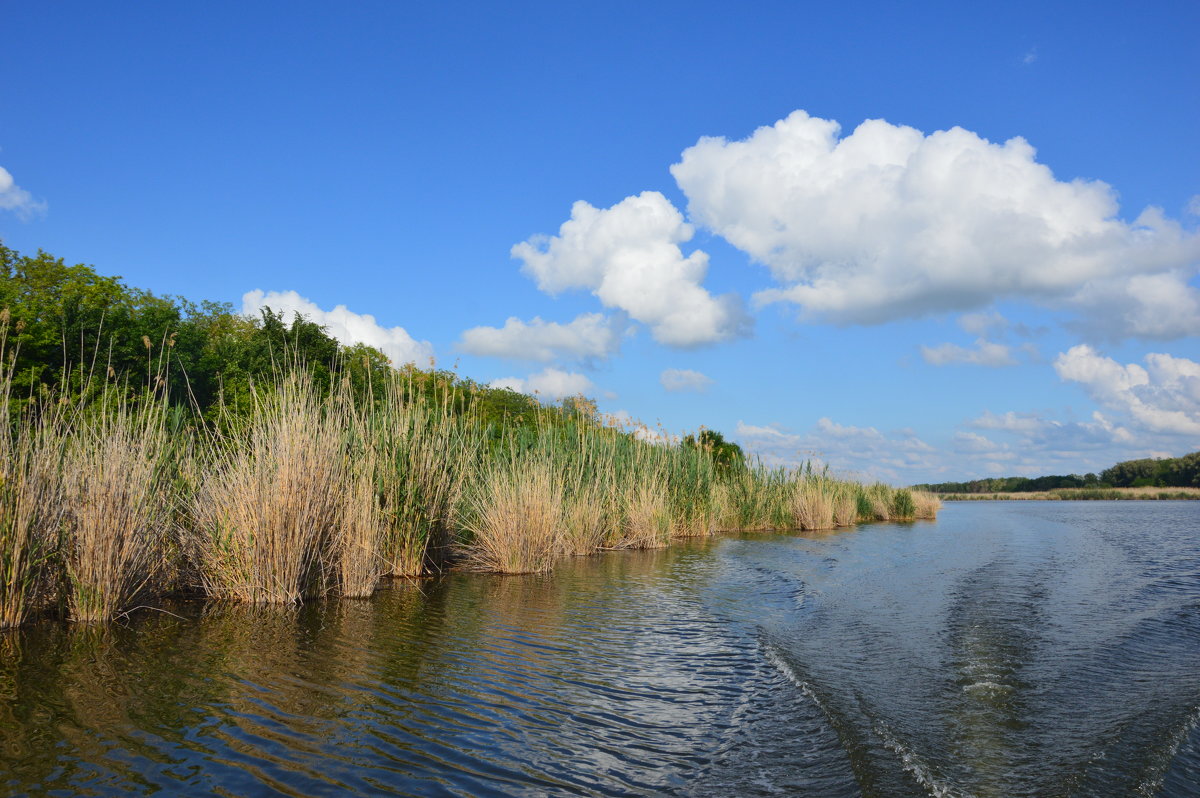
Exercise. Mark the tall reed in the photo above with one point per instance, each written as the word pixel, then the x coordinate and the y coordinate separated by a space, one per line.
pixel 270 498
pixel 647 517
pixel 925 504
pixel 362 526
pixel 119 503
pixel 813 504
pixel 583 520
pixel 515 518
pixel 845 507
pixel 425 454
pixel 31 493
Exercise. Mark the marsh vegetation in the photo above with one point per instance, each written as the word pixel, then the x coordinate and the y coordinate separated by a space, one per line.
pixel 251 461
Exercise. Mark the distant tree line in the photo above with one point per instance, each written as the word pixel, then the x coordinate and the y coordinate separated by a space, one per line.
pixel 1174 472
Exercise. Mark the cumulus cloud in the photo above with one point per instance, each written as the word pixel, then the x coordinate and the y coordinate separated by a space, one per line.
pixel 889 223
pixel 846 448
pixel 16 199
pixel 982 324
pixel 1163 396
pixel 680 380
pixel 1155 306
pixel 985 353
pixel 343 324
pixel 1035 433
pixel 550 383
pixel 629 257
pixel 974 443
pixel 591 336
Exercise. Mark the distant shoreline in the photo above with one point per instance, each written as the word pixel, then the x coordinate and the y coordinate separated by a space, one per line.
pixel 1082 494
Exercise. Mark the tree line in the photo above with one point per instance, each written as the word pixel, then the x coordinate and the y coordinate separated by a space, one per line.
pixel 1168 472
pixel 73 330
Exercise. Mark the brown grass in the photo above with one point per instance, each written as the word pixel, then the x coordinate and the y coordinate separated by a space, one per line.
pixel 360 528
pixel 583 522
pixel 267 506
pixel 647 517
pixel 31 508
pixel 516 520
pixel 119 508
pixel 813 505
pixel 926 504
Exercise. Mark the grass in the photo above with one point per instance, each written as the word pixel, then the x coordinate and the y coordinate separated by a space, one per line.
pixel 110 501
pixel 269 500
pixel 425 453
pixel 516 519
pixel 1083 494
pixel 31 500
pixel 118 508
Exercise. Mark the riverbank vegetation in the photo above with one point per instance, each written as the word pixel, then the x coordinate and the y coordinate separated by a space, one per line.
pixel 1117 482
pixel 1082 494
pixel 257 461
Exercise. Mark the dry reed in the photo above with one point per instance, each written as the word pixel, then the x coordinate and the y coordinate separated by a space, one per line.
pixel 583 522
pixel 360 528
pixel 647 517
pixel 845 508
pixel 265 509
pixel 31 494
pixel 515 519
pixel 425 453
pixel 926 504
pixel 119 507
pixel 812 504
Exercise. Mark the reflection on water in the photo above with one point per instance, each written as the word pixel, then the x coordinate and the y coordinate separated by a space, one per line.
pixel 1008 649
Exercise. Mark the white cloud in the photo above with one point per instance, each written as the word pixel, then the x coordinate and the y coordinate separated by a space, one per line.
pixel 846 448
pixel 890 223
pixel 550 383
pixel 985 353
pixel 974 443
pixel 1157 306
pixel 679 380
pixel 1059 439
pixel 628 256
pixel 591 336
pixel 1162 397
pixel 16 199
pixel 981 324
pixel 1009 422
pixel 344 325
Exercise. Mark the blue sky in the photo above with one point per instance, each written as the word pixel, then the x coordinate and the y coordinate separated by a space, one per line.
pixel 968 284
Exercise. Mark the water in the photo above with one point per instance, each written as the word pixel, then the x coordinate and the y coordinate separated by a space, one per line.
pixel 1009 649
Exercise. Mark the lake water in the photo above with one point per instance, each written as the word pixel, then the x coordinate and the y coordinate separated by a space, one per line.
pixel 1008 649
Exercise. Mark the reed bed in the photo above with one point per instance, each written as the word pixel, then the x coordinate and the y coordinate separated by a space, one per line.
pixel 516 520
pixel 31 500
pixel 361 528
pixel 267 506
pixel 425 455
pixel 117 514
pixel 113 500
pixel 647 518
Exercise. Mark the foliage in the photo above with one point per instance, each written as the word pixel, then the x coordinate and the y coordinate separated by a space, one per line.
pixel 727 455
pixel 151 444
pixel 1173 472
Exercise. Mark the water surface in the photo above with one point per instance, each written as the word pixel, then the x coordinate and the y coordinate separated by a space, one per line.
pixel 1009 649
